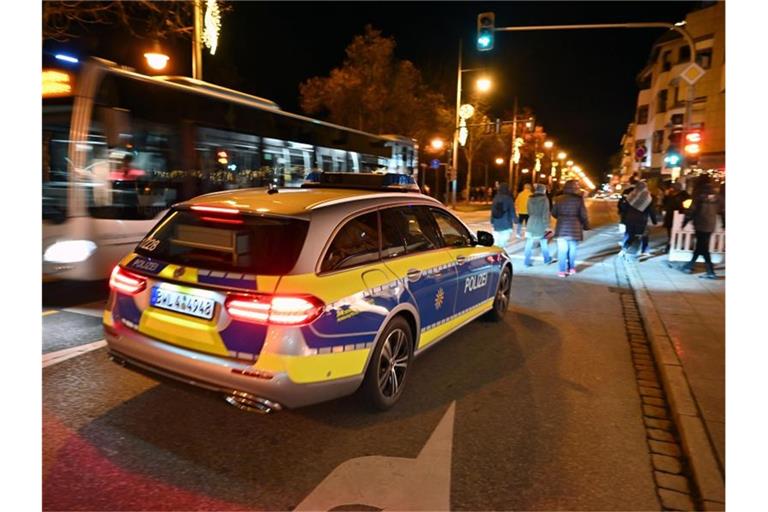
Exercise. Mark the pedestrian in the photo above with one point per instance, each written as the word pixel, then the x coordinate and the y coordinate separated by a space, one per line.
pixel 521 205
pixel 706 206
pixel 502 216
pixel 637 209
pixel 621 207
pixel 673 202
pixel 538 224
pixel 572 221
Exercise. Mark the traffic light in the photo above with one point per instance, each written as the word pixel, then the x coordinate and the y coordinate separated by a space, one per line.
pixel 692 146
pixel 672 158
pixel 485 26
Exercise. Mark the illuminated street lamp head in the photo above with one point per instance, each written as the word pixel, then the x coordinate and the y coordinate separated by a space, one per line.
pixel 569 163
pixel 499 161
pixel 156 60
pixel 483 84
pixel 525 171
pixel 548 144
pixel 562 155
pixel 437 143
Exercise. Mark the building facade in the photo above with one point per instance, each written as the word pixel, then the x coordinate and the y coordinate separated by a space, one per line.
pixel 662 100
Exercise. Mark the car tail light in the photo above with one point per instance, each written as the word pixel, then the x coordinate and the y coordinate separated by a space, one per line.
pixel 275 309
pixel 215 209
pixel 126 282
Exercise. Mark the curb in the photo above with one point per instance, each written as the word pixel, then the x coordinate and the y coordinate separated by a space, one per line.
pixel 690 425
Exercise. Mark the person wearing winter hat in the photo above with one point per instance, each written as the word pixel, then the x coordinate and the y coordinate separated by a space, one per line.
pixel 538 224
pixel 572 221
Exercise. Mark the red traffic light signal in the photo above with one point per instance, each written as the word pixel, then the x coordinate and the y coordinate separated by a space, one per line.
pixel 692 142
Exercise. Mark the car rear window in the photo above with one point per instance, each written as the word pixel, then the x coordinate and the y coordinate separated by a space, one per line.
pixel 246 243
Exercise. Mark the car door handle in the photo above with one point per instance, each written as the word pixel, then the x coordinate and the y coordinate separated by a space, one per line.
pixel 413 275
pixel 460 259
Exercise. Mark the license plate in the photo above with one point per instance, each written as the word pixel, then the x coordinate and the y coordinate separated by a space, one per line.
pixel 185 303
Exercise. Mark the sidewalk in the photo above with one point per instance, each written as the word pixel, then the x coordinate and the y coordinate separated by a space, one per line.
pixel 685 320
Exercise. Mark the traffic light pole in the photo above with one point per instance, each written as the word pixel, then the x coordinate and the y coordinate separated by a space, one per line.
pixel 677 27
pixel 455 150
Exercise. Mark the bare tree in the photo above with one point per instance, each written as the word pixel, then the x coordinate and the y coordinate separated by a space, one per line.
pixel 65 20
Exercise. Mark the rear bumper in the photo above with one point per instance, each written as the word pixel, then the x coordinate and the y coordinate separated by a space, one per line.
pixel 216 373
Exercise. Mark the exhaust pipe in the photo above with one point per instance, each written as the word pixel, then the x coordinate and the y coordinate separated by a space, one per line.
pixel 251 403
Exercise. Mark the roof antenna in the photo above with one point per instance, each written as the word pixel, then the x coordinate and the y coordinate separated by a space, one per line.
pixel 273 187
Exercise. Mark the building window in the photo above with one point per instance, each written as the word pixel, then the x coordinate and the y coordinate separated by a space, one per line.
pixel 645 82
pixel 704 58
pixel 661 101
pixel 676 119
pixel 666 64
pixel 642 114
pixel 658 141
pixel 684 55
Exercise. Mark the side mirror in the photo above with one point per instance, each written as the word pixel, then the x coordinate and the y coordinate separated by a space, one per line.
pixel 484 238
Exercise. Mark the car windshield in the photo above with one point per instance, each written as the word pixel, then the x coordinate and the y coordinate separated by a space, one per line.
pixel 242 243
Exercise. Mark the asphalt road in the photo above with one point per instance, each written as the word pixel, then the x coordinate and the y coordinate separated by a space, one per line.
pixel 539 412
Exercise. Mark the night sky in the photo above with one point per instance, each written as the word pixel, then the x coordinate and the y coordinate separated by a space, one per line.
pixel 580 84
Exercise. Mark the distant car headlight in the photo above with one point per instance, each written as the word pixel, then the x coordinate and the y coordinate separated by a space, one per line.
pixel 69 251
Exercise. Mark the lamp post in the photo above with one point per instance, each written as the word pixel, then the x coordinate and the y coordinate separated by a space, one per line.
pixel 483 85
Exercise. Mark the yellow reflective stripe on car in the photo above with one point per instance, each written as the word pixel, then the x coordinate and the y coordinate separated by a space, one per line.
pixel 316 368
pixel 188 276
pixel 430 334
pixel 106 318
pixel 182 330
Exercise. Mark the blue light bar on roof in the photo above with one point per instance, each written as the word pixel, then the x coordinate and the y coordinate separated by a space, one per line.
pixel 66 58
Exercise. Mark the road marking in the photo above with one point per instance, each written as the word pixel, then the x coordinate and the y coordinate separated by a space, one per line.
pixel 50 312
pixel 95 309
pixel 52 358
pixel 392 483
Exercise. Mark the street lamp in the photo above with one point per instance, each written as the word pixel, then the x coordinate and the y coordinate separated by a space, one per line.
pixel 437 143
pixel 499 161
pixel 156 60
pixel 483 84
pixel 457 119
pixel 562 155
pixel 548 144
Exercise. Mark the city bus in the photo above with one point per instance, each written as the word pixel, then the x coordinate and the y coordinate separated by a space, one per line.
pixel 120 147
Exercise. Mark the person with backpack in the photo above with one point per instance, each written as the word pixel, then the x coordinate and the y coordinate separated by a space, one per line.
pixel 538 224
pixel 637 209
pixel 706 206
pixel 572 221
pixel 673 202
pixel 502 216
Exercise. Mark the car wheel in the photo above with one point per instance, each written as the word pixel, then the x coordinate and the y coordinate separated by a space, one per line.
pixel 501 301
pixel 389 366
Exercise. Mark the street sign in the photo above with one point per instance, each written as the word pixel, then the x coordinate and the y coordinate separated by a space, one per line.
pixel 692 73
pixel 434 163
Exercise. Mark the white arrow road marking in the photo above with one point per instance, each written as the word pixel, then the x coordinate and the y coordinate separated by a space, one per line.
pixel 52 358
pixel 393 483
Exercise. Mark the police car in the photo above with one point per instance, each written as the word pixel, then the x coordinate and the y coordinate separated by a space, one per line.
pixel 283 298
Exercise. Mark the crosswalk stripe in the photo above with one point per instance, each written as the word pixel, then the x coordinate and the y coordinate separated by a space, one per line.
pixel 52 358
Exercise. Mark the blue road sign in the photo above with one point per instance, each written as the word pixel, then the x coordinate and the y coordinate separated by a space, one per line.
pixel 434 164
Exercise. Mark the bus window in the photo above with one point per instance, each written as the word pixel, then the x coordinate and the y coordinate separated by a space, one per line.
pixel 228 160
pixel 55 142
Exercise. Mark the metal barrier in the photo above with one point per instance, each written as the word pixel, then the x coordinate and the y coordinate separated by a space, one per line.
pixel 683 240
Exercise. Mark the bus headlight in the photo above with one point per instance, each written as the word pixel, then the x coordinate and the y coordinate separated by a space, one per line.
pixel 69 251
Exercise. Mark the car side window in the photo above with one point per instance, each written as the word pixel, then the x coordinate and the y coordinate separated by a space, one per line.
pixel 356 243
pixel 413 225
pixel 453 232
pixel 392 241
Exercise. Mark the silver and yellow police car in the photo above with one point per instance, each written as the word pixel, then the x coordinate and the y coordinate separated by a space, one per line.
pixel 288 297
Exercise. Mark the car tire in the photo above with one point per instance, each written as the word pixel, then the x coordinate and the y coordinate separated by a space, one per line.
pixel 389 366
pixel 501 300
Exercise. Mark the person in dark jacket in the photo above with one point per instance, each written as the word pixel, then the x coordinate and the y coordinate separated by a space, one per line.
pixel 707 205
pixel 673 202
pixel 636 210
pixel 502 215
pixel 538 224
pixel 620 206
pixel 571 215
